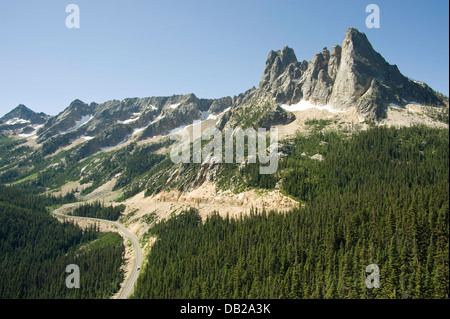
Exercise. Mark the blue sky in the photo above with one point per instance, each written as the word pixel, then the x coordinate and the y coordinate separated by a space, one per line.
pixel 213 48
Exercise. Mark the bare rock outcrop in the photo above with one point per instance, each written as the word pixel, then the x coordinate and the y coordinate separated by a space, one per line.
pixel 353 75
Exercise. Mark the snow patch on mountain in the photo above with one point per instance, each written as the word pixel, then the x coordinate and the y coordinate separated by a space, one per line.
pixel 83 121
pixel 17 120
pixel 32 134
pixel 306 105
pixel 134 118
pixel 87 138
pixel 120 143
pixel 204 116
pixel 137 130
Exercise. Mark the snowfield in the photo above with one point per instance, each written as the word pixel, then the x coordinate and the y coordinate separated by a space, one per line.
pixel 120 143
pixel 306 105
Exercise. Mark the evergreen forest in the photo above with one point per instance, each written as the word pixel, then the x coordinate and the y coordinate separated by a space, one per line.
pixel 36 248
pixel 378 197
pixel 98 210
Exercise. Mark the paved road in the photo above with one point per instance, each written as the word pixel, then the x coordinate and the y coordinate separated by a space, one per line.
pixel 127 288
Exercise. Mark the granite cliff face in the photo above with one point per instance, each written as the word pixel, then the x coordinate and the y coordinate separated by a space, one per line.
pixel 353 75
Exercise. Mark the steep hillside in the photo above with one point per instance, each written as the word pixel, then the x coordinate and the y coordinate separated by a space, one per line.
pixel 125 144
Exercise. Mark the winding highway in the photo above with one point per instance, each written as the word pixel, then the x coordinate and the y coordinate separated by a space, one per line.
pixel 128 286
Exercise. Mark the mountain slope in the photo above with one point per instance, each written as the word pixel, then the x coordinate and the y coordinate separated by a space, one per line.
pixel 352 83
pixel 351 76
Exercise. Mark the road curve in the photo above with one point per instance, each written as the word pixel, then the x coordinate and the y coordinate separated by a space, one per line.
pixel 128 286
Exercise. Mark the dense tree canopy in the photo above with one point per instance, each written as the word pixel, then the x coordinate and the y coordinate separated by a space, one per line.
pixel 35 249
pixel 97 210
pixel 378 197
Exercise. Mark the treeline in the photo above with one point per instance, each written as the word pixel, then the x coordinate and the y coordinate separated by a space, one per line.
pixel 98 210
pixel 28 197
pixel 35 249
pixel 379 197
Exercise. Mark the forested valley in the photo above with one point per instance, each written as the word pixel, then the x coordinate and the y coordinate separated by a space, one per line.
pixel 36 248
pixel 380 197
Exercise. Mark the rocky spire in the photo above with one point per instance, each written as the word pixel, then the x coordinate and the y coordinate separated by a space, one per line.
pixel 276 64
pixel 353 75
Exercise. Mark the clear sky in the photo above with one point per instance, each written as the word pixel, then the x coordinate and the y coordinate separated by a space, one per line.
pixel 213 48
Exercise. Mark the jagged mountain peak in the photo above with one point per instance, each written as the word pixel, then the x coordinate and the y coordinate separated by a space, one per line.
pixel 77 104
pixel 366 81
pixel 276 64
pixel 286 56
pixel 23 114
pixel 353 75
pixel 22 108
pixel 349 76
pixel 353 35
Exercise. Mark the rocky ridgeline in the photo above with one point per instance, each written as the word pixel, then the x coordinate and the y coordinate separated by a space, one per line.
pixel 351 76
